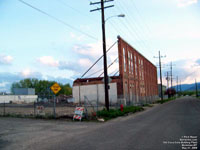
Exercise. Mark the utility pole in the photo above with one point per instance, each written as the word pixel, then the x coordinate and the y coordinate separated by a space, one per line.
pixel 180 87
pixel 159 56
pixel 167 78
pixel 177 85
pixel 104 47
pixel 171 65
pixel 196 88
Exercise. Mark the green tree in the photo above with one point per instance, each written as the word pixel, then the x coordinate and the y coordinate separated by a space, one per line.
pixel 42 87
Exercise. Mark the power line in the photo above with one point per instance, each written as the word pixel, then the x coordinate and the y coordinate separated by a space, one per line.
pixel 142 18
pixel 81 13
pixel 76 10
pixel 116 73
pixel 58 20
pixel 94 73
pixel 137 26
pixel 136 31
pixel 109 66
pixel 97 60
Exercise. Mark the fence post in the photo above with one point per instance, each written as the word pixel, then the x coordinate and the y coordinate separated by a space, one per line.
pixel 86 113
pixel 4 108
pixel 54 107
pixel 34 105
pixel 97 97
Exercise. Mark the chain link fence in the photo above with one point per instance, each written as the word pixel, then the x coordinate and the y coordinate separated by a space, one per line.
pixel 37 109
pixel 50 107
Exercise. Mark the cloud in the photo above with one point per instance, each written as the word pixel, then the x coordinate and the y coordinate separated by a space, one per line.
pixel 5 59
pixel 185 69
pixel 87 55
pixel 3 84
pixel 63 65
pixel 198 61
pixel 49 61
pixel 77 66
pixel 28 73
pixel 85 62
pixel 185 3
pixel 93 50
pixel 60 80
pixel 76 37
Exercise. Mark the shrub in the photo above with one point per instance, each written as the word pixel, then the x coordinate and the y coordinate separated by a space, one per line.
pixel 113 113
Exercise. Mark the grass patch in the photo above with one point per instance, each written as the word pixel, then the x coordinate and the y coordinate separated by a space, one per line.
pixel 113 113
pixel 165 100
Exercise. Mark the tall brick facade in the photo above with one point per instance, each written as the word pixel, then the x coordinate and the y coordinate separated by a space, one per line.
pixel 137 80
pixel 138 75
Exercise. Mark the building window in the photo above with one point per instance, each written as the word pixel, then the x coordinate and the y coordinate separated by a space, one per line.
pixel 124 56
pixel 135 66
pixel 131 63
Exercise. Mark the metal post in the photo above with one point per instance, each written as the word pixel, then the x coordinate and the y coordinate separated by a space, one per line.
pixel 171 75
pixel 34 105
pixel 79 95
pixel 160 77
pixel 104 57
pixel 167 80
pixel 4 108
pixel 54 106
pixel 177 87
pixel 196 88
pixel 97 97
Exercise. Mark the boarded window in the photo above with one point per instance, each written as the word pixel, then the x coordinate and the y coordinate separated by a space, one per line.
pixel 124 56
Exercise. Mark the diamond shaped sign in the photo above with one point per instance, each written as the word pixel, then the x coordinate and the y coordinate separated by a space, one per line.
pixel 55 88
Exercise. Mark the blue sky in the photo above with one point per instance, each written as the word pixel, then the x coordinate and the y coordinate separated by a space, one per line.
pixel 35 45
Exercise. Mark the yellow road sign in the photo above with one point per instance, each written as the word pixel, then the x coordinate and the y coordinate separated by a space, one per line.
pixel 55 88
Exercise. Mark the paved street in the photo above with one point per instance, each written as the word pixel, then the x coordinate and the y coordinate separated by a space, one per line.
pixel 159 128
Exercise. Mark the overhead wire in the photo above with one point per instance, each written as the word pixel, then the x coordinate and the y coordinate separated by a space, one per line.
pixel 128 24
pixel 141 22
pixel 116 70
pixel 109 66
pixel 76 10
pixel 58 20
pixel 138 11
pixel 66 5
pixel 131 35
pixel 135 34
pixel 116 73
pixel 137 29
pixel 98 60
pixel 94 73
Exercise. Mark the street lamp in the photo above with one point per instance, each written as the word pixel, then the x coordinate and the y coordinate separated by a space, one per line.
pixel 120 15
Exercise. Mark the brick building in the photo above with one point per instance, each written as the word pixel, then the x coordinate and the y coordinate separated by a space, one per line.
pixel 136 82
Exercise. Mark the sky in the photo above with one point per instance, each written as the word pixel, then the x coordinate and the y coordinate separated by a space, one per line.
pixel 60 39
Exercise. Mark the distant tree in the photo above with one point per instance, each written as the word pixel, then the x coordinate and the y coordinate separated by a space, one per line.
pixel 42 87
pixel 66 89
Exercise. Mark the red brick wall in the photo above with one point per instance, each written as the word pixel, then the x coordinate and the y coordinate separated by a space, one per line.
pixel 139 77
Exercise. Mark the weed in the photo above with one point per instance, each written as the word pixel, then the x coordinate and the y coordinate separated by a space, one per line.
pixel 113 113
